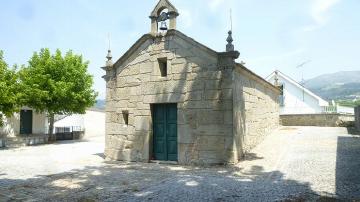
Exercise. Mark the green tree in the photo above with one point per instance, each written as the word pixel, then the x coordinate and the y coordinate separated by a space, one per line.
pixel 357 103
pixel 9 90
pixel 57 84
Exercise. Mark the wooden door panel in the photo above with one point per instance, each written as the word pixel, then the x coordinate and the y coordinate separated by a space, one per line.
pixel 26 120
pixel 165 132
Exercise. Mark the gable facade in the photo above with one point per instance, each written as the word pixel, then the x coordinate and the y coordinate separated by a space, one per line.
pixel 205 108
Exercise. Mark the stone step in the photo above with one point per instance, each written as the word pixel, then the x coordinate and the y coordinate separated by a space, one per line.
pixel 10 142
pixel 15 142
pixel 15 145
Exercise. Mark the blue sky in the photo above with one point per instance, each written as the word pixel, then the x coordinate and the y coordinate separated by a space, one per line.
pixel 270 34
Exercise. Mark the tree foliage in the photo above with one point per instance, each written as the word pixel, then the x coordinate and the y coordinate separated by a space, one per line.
pixel 9 90
pixel 57 84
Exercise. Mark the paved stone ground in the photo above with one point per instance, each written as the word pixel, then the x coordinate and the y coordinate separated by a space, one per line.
pixel 295 163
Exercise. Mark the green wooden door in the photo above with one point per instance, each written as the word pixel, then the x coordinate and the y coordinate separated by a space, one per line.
pixel 165 132
pixel 26 120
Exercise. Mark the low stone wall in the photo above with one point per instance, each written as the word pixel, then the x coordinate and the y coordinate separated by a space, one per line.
pixel 15 142
pixel 323 120
pixel 2 142
pixel 36 140
pixel 357 117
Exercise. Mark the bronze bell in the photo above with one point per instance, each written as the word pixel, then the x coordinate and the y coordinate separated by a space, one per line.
pixel 163 26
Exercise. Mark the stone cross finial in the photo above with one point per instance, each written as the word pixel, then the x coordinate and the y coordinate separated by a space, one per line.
pixel 229 46
pixel 109 61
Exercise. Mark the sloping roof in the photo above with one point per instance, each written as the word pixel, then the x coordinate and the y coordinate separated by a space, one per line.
pixel 146 37
pixel 295 83
pixel 132 49
pixel 181 35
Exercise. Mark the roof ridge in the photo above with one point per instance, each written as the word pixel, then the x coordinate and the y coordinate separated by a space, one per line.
pixel 150 36
pixel 299 85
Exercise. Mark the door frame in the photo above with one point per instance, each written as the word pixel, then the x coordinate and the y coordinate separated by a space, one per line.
pixel 152 137
pixel 21 131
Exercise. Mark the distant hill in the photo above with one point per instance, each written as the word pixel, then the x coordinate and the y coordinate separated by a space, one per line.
pixel 99 105
pixel 338 86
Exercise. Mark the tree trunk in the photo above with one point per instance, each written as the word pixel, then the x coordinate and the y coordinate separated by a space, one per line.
pixel 52 136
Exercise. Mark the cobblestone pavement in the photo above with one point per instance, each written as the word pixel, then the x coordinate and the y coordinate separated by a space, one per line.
pixel 294 163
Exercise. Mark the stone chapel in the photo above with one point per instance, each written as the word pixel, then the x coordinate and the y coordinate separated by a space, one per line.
pixel 171 98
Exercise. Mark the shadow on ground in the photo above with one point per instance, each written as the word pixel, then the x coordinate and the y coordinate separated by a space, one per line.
pixel 101 155
pixel 153 182
pixel 353 131
pixel 252 157
pixel 61 142
pixel 348 168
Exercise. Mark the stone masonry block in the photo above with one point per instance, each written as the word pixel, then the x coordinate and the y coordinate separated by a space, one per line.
pixel 142 123
pixel 214 130
pixel 180 68
pixel 188 154
pixel 164 98
pixel 212 94
pixel 185 134
pixel 195 85
pixel 211 143
pixel 208 117
pixel 146 67
pixel 194 95
pixel 213 156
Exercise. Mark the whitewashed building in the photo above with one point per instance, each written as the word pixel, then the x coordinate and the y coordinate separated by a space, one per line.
pixel 295 98
pixel 92 122
pixel 26 122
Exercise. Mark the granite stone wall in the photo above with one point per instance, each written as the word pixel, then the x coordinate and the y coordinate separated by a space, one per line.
pixel 357 117
pixel 322 120
pixel 202 83
pixel 256 110
pixel 202 91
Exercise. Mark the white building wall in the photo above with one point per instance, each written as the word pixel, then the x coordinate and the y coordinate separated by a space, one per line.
pixel 11 126
pixel 296 100
pixel 72 120
pixel 93 122
pixel 40 123
pixel 345 110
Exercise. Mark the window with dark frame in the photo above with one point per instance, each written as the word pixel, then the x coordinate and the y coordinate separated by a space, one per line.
pixel 126 117
pixel 163 66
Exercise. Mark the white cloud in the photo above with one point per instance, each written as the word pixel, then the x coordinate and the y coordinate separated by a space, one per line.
pixel 215 4
pixel 320 9
pixel 186 18
pixel 319 12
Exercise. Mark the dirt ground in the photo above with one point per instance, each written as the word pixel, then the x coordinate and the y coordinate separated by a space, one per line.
pixel 294 163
